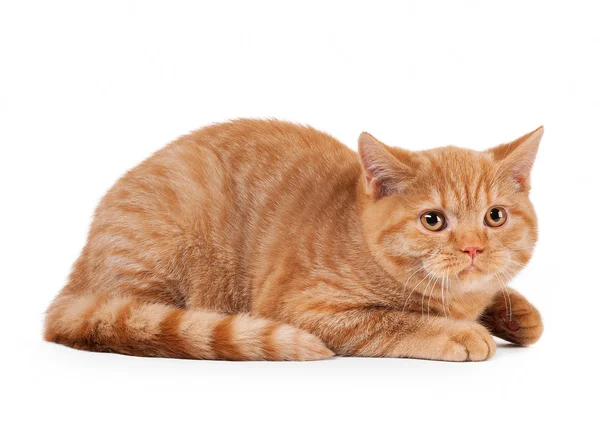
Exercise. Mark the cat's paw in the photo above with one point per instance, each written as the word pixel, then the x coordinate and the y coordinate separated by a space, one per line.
pixel 473 343
pixel 523 325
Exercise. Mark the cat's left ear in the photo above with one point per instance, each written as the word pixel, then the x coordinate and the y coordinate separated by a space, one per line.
pixel 386 170
pixel 516 158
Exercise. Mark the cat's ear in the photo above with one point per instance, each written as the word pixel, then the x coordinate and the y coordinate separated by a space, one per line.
pixel 385 173
pixel 516 158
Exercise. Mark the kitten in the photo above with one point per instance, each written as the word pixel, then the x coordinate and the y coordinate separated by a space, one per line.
pixel 266 240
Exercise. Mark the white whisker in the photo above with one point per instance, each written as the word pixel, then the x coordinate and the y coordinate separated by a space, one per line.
pixel 507 297
pixel 430 295
pixel 513 270
pixel 425 293
pixel 413 274
pixel 460 284
pixel 448 301
pixel 413 290
pixel 517 263
pixel 442 287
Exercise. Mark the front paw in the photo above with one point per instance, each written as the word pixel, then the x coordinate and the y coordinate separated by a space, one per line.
pixel 473 343
pixel 522 326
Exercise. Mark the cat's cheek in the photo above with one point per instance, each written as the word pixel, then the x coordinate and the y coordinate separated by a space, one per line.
pixel 426 240
pixel 394 245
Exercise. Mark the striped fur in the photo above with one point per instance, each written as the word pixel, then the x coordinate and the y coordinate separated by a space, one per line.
pixel 265 240
pixel 133 327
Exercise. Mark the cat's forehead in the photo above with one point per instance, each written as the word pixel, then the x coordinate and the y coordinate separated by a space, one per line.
pixel 459 179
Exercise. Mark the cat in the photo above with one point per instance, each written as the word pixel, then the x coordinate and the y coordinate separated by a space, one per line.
pixel 267 240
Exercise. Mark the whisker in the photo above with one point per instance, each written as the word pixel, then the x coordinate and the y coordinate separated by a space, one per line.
pixel 459 283
pixel 431 294
pixel 521 246
pixel 425 293
pixel 502 290
pixel 507 297
pixel 517 263
pixel 502 248
pixel 448 291
pixel 413 274
pixel 413 290
pixel 442 287
pixel 503 271
pixel 531 247
pixel 513 270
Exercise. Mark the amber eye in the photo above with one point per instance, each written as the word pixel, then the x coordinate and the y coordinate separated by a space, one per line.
pixel 496 217
pixel 433 220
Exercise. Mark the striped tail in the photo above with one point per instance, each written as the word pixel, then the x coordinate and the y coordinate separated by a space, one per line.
pixel 129 326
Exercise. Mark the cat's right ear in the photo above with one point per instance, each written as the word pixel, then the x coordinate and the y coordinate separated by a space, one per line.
pixel 384 173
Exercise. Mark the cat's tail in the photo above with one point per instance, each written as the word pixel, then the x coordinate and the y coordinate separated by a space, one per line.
pixel 128 326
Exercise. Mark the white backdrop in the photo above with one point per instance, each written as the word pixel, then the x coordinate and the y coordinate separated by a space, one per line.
pixel 89 89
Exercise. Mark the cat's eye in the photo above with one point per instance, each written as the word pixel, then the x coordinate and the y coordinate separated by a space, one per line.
pixel 496 217
pixel 433 221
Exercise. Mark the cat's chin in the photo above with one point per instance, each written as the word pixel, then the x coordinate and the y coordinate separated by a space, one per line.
pixel 472 279
pixel 472 272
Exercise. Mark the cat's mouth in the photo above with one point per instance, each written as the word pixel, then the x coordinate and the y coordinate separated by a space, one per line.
pixel 471 269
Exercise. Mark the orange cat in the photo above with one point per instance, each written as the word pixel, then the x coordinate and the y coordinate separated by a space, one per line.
pixel 265 240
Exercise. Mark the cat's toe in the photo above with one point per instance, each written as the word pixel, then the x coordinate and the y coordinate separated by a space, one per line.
pixel 471 344
pixel 523 327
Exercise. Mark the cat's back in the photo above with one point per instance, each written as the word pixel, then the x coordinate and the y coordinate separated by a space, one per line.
pixel 253 165
pixel 265 145
pixel 220 194
pixel 246 160
pixel 227 180
pixel 235 159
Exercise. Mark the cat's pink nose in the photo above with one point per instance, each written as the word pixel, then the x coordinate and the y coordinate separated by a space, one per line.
pixel 473 251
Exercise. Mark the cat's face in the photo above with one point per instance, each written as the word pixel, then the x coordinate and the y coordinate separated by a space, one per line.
pixel 450 213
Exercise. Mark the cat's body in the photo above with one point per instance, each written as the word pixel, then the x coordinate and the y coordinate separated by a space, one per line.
pixel 220 242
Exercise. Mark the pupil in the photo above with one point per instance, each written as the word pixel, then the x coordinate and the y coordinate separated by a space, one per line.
pixel 495 215
pixel 432 219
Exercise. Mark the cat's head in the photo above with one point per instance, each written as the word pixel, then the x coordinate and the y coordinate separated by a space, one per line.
pixel 449 212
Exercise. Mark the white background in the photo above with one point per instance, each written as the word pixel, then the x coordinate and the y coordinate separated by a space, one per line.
pixel 89 89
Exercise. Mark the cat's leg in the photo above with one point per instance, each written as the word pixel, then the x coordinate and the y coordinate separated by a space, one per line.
pixel 357 330
pixel 512 318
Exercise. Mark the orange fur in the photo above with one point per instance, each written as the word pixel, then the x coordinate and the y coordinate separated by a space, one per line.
pixel 265 240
